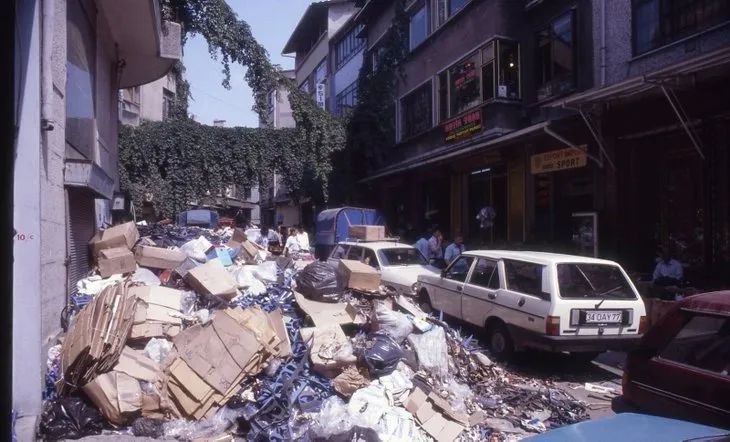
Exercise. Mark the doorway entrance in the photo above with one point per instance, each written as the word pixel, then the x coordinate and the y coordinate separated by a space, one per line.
pixel 488 188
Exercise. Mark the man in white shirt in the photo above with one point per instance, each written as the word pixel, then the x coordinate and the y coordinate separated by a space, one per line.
pixel 435 252
pixel 302 239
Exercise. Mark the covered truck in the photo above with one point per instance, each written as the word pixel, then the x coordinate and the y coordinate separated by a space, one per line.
pixel 333 226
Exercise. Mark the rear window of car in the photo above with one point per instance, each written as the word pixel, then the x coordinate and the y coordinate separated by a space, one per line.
pixel 595 281
pixel 703 342
pixel 401 257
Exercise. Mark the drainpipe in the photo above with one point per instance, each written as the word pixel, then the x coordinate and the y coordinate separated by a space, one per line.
pixel 603 43
pixel 47 122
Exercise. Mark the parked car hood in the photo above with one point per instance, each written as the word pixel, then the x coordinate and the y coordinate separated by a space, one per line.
pixel 631 427
pixel 408 274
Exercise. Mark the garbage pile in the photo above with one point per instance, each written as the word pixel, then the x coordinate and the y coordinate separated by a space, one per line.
pixel 195 340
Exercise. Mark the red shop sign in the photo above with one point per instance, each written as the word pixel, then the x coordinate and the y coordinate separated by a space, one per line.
pixel 464 126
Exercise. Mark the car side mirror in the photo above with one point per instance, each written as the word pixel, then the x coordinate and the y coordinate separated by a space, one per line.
pixel 443 273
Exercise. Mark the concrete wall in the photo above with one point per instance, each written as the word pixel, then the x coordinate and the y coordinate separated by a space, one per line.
pixel 291 214
pixel 307 63
pixel 620 62
pixel 337 17
pixel 151 98
pixel 26 358
pixel 284 115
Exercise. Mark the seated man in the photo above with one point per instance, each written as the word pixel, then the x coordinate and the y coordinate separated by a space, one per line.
pixel 667 273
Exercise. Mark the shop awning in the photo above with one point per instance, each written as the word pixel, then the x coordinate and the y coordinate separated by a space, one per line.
pixel 439 155
pixel 665 80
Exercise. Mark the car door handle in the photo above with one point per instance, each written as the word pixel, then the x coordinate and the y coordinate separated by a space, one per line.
pixel 492 295
pixel 459 288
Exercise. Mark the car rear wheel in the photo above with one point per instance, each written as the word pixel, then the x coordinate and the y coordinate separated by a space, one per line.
pixel 425 303
pixel 500 342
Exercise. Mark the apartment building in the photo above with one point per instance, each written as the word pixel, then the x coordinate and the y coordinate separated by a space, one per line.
pixel 148 102
pixel 72 57
pixel 557 112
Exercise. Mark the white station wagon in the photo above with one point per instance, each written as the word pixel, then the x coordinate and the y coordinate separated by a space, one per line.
pixel 545 301
pixel 399 264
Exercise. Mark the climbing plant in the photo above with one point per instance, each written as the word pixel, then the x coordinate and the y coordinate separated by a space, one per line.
pixel 371 126
pixel 180 160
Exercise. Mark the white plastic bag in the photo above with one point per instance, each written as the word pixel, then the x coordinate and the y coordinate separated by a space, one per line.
pixel 266 272
pixel 395 324
pixel 145 276
pixel 432 351
pixel 158 349
pixel 196 248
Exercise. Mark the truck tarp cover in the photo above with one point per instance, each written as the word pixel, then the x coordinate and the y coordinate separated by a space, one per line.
pixel 333 225
pixel 198 217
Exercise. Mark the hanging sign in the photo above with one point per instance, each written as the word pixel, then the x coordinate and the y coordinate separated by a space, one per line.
pixel 556 160
pixel 320 95
pixel 464 126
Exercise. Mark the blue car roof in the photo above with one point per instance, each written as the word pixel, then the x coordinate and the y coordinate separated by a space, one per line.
pixel 629 427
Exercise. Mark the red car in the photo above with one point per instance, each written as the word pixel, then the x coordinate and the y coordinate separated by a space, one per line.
pixel 681 367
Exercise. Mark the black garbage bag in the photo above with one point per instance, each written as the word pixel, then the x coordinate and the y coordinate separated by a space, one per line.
pixel 70 418
pixel 319 282
pixel 146 427
pixel 383 356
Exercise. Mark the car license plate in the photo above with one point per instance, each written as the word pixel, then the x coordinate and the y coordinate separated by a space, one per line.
pixel 603 317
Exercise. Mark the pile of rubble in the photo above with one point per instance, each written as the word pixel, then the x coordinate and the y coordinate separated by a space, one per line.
pixel 183 337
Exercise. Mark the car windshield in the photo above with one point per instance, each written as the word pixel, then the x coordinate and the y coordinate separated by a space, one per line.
pixel 401 257
pixel 601 281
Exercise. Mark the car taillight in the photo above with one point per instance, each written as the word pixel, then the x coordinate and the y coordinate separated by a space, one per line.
pixel 552 326
pixel 643 325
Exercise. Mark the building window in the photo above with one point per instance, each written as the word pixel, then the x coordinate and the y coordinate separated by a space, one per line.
pixel 657 23
pixel 168 98
pixel 304 87
pixel 377 54
pixel 480 77
pixel 81 76
pixel 350 45
pixel 447 8
pixel 419 26
pixel 346 100
pixel 320 74
pixel 416 111
pixel 556 57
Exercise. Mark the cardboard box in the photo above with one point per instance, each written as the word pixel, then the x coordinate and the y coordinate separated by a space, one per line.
pixel 435 416
pixel 158 258
pixel 359 276
pixel 367 233
pixel 212 278
pixel 123 235
pixel 117 395
pixel 116 261
pixel 238 238
pixel 158 305
pixel 250 250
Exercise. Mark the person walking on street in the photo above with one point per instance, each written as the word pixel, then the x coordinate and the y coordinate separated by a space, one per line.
pixel 302 239
pixel 486 223
pixel 422 243
pixel 435 252
pixel 454 250
pixel 292 245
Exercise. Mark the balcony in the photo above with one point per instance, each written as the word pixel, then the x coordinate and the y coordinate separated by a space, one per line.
pixel 148 47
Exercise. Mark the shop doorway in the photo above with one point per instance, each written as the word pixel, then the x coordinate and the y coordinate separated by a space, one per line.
pixel 488 188
pixel 436 204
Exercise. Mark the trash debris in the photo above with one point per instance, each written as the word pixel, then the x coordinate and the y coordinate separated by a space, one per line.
pixel 350 380
pixel 319 282
pixel 70 418
pixel 395 324
pixel 432 351
pixel 383 355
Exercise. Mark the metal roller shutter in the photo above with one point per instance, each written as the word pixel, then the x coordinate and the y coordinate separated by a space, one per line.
pixel 80 229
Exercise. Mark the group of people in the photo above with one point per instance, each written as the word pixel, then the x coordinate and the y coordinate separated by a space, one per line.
pixel 294 239
pixel 431 245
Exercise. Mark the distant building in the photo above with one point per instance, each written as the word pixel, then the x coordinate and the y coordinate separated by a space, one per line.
pixel 219 123
pixel 148 102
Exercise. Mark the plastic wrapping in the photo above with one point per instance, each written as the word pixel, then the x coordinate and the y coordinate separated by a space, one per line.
pixel 146 427
pixel 93 285
pixel 319 282
pixel 384 355
pixel 158 349
pixel 335 422
pixel 220 422
pixel 395 324
pixel 187 303
pixel 202 315
pixel 196 248
pixel 246 279
pixel 145 276
pixel 459 394
pixel 266 272
pixel 432 351
pixel 70 418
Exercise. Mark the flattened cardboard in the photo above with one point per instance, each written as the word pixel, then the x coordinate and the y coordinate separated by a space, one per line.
pixel 326 313
pixel 212 278
pixel 277 323
pixel 239 236
pixel 366 232
pixel 154 330
pixel 117 395
pixel 250 250
pixel 359 276
pixel 116 261
pixel 429 416
pixel 137 365
pixel 158 258
pixel 158 303
pixel 123 235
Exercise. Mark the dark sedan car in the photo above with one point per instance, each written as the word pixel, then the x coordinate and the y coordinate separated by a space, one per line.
pixel 681 367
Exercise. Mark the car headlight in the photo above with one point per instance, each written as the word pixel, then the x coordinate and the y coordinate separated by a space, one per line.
pixel 414 288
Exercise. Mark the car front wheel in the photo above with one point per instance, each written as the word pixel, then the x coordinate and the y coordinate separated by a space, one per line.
pixel 500 342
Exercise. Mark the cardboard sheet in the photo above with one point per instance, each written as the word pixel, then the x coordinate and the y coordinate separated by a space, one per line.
pixel 137 365
pixel 435 421
pixel 213 278
pixel 326 342
pixel 326 313
pixel 117 395
pixel 157 304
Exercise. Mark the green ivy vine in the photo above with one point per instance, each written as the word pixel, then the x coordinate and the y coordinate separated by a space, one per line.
pixel 180 160
pixel 371 125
